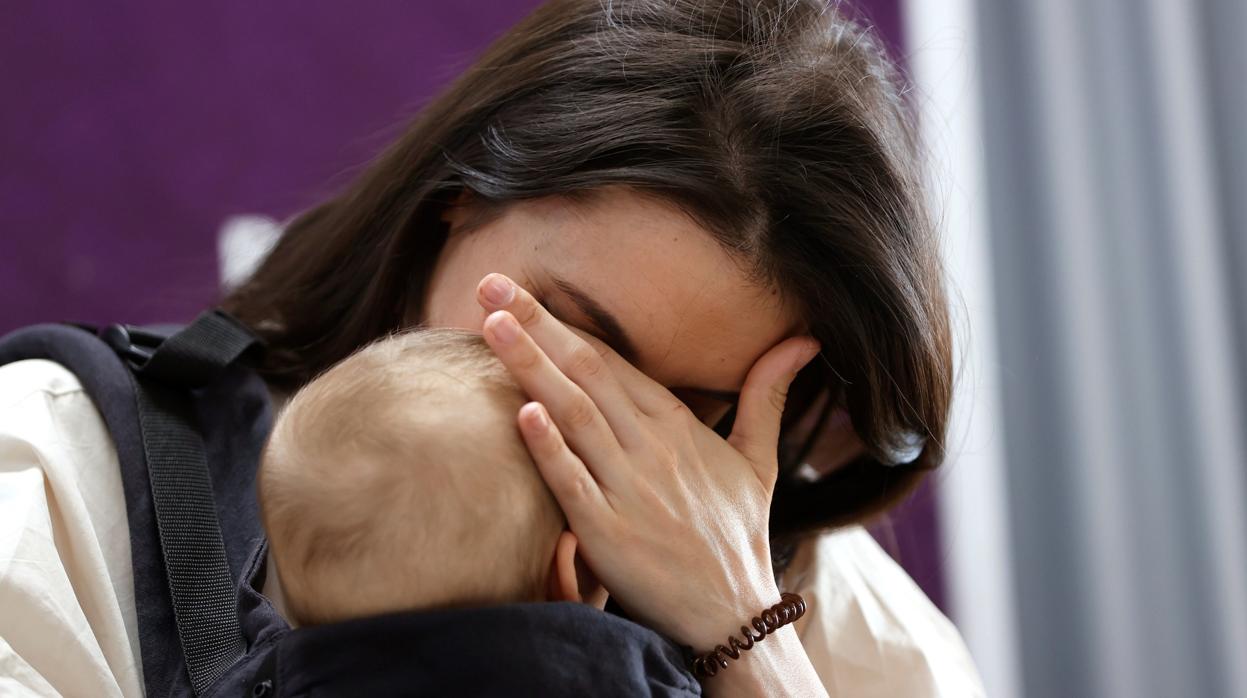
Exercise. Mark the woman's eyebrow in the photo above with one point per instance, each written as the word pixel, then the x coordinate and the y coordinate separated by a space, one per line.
pixel 612 332
pixel 606 324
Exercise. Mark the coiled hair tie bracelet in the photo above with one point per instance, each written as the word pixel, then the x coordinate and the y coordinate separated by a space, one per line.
pixel 789 609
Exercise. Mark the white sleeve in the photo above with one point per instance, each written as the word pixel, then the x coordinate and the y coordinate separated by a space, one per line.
pixel 869 630
pixel 67 617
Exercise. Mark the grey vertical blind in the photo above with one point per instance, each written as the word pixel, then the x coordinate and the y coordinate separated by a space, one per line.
pixel 1116 163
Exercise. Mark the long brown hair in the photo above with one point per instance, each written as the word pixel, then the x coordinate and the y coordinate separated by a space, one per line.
pixel 779 124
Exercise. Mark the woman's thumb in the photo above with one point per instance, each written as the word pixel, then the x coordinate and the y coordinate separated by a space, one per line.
pixel 756 430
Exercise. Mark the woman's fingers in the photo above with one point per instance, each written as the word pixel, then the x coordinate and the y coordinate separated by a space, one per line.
pixel 756 430
pixel 647 394
pixel 578 494
pixel 590 364
pixel 577 416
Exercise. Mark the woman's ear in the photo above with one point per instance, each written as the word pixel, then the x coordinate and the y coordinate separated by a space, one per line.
pixel 570 578
pixel 456 215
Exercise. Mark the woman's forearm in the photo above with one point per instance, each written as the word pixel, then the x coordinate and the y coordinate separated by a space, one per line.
pixel 776 666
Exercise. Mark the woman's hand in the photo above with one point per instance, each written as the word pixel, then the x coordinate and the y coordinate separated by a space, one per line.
pixel 671 517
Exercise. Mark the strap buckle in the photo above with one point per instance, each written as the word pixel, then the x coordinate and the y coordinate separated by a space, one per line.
pixel 134 344
pixel 188 357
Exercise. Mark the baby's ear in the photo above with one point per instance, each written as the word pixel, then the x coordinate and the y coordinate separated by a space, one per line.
pixel 570 578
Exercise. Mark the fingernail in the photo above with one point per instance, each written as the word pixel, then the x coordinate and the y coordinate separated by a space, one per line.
pixel 498 290
pixel 504 328
pixel 538 417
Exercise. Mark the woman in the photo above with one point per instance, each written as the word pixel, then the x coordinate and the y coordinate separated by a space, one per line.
pixel 658 213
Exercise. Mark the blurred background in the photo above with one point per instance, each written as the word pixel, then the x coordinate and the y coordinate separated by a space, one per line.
pixel 1088 534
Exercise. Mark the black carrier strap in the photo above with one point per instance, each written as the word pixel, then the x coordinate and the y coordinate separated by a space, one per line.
pixel 201 587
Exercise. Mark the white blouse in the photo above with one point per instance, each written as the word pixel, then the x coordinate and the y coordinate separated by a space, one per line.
pixel 67 613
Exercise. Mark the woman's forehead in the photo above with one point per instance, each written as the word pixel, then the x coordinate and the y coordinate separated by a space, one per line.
pixel 688 344
pixel 693 313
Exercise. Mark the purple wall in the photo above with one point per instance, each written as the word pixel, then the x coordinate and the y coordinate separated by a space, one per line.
pixel 131 130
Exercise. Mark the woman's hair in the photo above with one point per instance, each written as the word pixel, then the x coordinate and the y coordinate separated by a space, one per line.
pixel 780 125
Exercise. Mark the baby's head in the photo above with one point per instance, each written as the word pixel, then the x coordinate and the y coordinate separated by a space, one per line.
pixel 397 480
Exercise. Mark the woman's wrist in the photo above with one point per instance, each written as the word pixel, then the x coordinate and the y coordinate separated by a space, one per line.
pixel 790 608
pixel 721 616
pixel 776 666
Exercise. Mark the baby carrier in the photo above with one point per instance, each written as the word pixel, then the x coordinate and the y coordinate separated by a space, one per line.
pixel 189 418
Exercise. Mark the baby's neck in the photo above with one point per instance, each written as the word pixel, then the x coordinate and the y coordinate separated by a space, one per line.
pixel 271 589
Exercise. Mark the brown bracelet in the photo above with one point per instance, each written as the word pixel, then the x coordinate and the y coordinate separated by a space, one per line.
pixel 789 608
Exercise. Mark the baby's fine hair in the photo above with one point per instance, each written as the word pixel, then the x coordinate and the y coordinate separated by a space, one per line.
pixel 398 480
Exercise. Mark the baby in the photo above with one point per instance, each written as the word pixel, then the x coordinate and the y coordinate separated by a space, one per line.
pixel 397 480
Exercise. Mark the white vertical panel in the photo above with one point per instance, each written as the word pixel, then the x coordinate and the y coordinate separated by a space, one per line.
pixel 943 61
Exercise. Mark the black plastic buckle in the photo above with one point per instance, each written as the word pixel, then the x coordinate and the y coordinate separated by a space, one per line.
pixel 134 344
